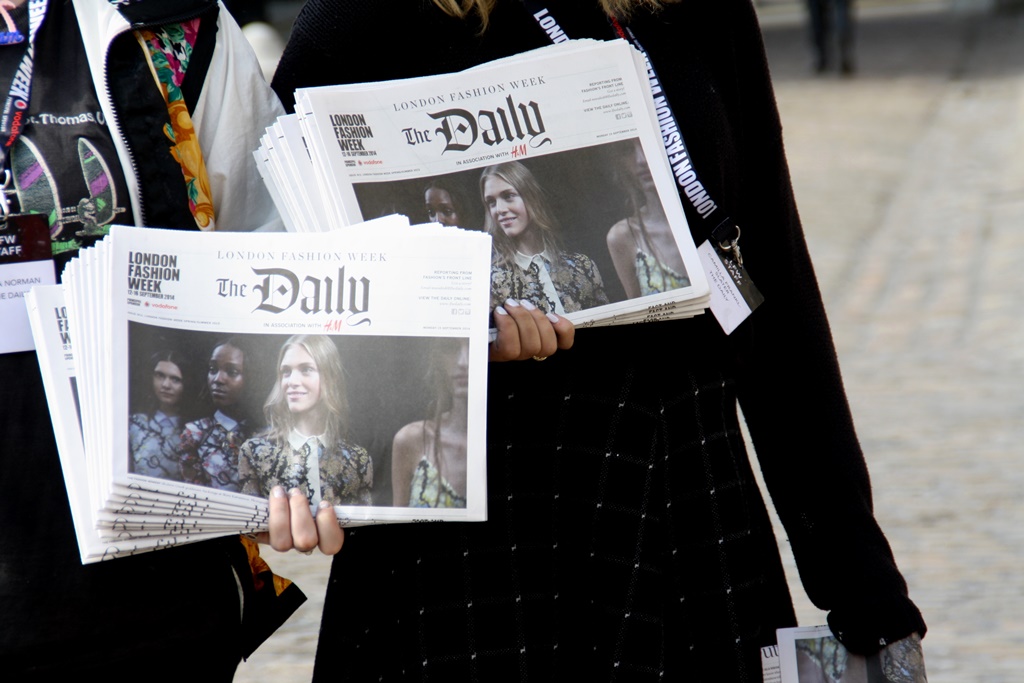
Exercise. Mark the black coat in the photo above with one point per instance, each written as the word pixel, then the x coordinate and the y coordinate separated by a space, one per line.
pixel 627 537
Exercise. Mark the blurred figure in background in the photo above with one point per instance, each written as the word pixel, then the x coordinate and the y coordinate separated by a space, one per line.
pixel 830 18
pixel 265 39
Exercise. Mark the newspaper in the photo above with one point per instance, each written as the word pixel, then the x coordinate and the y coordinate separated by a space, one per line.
pixel 557 153
pixel 287 169
pixel 208 368
pixel 811 654
pixel 770 668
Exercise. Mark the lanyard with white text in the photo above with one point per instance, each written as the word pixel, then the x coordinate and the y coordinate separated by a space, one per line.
pixel 733 295
pixel 15 107
pixel 725 233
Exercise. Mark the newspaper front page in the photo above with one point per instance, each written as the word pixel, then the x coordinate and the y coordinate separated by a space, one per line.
pixel 557 154
pixel 209 368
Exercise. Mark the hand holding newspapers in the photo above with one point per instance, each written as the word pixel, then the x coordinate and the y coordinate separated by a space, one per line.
pixel 557 153
pixel 182 369
pixel 188 373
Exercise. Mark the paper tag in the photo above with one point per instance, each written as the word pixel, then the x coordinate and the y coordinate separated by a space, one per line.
pixel 733 294
pixel 24 262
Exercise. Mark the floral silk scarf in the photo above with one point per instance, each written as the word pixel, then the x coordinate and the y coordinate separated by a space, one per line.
pixel 168 50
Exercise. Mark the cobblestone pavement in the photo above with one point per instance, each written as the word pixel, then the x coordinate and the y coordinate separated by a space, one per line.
pixel 910 180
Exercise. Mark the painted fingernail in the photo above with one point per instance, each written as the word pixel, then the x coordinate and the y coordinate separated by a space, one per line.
pixel 552 317
pixel 500 311
pixel 528 306
pixel 277 492
pixel 511 303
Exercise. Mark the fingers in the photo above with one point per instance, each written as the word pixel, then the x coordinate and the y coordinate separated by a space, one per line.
pixel 547 342
pixel 524 331
pixel 565 331
pixel 517 333
pixel 304 537
pixel 506 345
pixel 280 520
pixel 330 534
pixel 292 526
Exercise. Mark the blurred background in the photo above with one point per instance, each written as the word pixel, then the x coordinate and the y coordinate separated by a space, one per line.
pixel 907 155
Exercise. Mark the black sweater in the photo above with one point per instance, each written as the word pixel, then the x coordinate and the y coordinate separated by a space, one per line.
pixel 780 363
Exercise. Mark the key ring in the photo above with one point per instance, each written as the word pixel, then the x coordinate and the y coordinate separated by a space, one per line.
pixel 733 247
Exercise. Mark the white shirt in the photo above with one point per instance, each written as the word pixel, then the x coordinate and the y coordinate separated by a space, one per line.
pixel 228 423
pixel 543 261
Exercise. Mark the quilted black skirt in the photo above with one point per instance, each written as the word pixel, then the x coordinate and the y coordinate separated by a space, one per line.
pixel 626 537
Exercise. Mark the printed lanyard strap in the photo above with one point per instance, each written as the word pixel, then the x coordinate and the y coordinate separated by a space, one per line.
pixel 725 232
pixel 19 83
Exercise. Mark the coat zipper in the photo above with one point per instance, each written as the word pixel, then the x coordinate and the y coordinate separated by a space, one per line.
pixel 141 218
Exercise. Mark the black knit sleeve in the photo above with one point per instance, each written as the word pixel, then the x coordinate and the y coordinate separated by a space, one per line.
pixel 790 387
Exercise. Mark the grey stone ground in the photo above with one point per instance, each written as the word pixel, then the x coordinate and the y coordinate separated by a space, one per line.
pixel 910 179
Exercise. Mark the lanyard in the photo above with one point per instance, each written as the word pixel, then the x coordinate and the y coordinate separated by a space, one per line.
pixel 19 90
pixel 726 233
pixel 12 116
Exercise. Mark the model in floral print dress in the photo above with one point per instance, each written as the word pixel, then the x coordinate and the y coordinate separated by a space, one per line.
pixel 153 435
pixel 304 446
pixel 209 445
pixel 529 264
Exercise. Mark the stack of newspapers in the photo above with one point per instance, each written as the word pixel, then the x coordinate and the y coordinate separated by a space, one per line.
pixel 557 153
pixel 188 373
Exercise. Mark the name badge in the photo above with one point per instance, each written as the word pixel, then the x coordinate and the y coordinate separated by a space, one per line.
pixel 733 294
pixel 25 261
